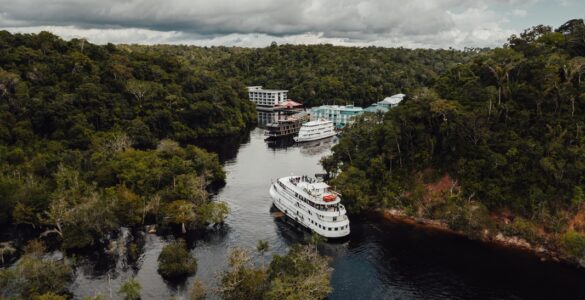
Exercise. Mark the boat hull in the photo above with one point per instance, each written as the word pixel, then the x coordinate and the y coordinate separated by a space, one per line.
pixel 315 138
pixel 303 218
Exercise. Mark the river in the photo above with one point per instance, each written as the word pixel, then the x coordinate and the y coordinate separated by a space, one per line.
pixel 381 260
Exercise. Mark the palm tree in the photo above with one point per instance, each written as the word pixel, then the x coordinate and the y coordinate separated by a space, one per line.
pixel 573 72
pixel 502 62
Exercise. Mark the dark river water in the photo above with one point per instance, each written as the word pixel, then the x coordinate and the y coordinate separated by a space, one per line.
pixel 380 260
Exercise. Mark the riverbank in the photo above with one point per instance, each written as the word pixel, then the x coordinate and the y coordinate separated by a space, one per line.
pixel 496 238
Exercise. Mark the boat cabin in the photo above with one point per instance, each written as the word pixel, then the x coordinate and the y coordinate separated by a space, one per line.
pixel 321 196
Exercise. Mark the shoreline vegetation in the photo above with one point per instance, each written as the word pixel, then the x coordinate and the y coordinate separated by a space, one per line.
pixel 499 239
pixel 494 149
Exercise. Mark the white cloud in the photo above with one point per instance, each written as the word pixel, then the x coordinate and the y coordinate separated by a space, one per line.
pixel 519 13
pixel 413 23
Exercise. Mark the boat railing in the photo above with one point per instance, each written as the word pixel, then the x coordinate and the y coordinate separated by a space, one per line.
pixel 339 208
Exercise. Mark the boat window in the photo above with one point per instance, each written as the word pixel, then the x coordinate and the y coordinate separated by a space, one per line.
pixel 336 228
pixel 329 228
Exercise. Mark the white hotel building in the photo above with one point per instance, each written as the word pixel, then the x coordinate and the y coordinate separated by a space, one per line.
pixel 266 98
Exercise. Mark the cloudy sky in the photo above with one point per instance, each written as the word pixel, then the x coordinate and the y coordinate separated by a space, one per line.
pixel 256 23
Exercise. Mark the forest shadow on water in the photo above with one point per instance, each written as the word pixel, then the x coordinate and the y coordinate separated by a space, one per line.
pixel 390 260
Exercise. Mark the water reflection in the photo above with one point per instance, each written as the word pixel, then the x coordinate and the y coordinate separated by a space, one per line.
pixel 388 260
pixel 281 143
pixel 266 117
pixel 310 148
pixel 227 147
pixel 318 147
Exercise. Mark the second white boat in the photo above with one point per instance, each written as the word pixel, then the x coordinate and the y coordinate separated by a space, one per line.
pixel 315 130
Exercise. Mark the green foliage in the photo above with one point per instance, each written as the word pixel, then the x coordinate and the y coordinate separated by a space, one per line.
pixel 317 239
pixel 72 116
pixel 301 274
pixel 175 261
pixel 213 212
pixel 79 93
pixel 78 213
pixel 523 228
pixel 180 212
pixel 241 280
pixel 262 246
pixel 128 206
pixel 327 74
pixel 32 277
pixel 578 196
pixel 130 289
pixel 355 189
pixel 507 125
pixel 469 217
pixel 574 244
pixel 50 296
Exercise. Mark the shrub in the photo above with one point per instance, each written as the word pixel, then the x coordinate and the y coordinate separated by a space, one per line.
pixel 468 217
pixel 32 277
pixel 242 280
pixel 523 228
pixel 175 261
pixel 130 289
pixel 301 274
pixel 213 212
pixel 574 243
pixel 197 291
pixel 50 296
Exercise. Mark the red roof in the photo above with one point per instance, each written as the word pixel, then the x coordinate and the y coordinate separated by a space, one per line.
pixel 288 104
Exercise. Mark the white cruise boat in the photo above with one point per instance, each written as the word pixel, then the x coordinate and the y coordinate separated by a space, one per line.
pixel 315 130
pixel 312 204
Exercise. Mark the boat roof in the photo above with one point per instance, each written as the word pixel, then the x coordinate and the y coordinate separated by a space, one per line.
pixel 317 122
pixel 288 103
pixel 395 99
pixel 318 185
pixel 349 107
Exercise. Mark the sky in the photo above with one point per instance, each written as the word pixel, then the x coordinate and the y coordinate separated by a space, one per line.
pixel 258 23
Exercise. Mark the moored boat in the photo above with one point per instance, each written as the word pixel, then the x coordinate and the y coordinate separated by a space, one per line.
pixel 286 126
pixel 311 203
pixel 315 130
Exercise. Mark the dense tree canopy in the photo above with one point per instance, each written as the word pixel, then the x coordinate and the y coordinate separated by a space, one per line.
pixel 300 274
pixel 507 127
pixel 94 137
pixel 325 74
